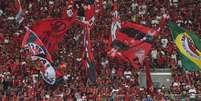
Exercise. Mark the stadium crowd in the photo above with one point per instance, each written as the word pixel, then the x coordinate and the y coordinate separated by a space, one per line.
pixel 116 81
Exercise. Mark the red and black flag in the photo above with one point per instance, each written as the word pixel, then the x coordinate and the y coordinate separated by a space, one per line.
pixel 132 42
pixel 51 31
pixel 33 43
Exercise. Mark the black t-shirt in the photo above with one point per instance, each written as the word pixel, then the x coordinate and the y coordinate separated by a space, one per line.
pixel 80 11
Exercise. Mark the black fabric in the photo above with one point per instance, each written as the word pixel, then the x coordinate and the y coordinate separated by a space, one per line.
pixel 81 11
pixel 119 45
pixel 91 2
pixel 137 35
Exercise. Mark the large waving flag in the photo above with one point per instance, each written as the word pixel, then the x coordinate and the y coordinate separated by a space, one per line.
pixel 32 42
pixel 188 44
pixel 130 41
pixel 88 58
pixel 51 31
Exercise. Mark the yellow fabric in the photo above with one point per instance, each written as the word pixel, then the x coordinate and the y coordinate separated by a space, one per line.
pixel 182 46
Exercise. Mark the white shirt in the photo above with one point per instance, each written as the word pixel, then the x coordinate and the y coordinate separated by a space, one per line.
pixel 154 54
pixel 113 71
pixel 143 22
pixel 192 90
pixel 133 6
pixel 127 74
pixel 176 84
pixel 164 42
pixel 11 18
pixel 104 63
pixel 179 63
pixel 1 12
pixel 173 56
pixel 154 22
pixel 6 41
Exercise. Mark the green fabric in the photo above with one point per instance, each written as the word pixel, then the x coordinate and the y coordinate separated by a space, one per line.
pixel 187 64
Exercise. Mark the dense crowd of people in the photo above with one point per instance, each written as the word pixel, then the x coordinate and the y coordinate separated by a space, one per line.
pixel 20 79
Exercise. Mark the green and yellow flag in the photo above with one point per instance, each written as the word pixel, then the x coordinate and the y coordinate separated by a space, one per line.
pixel 188 45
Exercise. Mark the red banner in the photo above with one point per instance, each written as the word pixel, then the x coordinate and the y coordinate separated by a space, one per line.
pixel 51 31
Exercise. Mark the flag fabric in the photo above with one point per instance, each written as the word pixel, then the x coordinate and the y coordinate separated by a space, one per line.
pixel 127 38
pixel 86 16
pixel 188 45
pixel 32 42
pixel 88 58
pixel 19 18
pixel 48 72
pixel 90 1
pixel 51 31
pixel 149 83
pixel 132 41
pixel 114 27
pixel 89 13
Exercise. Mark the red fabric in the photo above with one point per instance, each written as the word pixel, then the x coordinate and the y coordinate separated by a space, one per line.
pixel 120 72
pixel 18 4
pixel 161 60
pixel 127 98
pixel 99 98
pixel 58 74
pixel 148 76
pixel 163 22
pixel 136 45
pixel 1 38
pixel 90 12
pixel 51 31
pixel 5 98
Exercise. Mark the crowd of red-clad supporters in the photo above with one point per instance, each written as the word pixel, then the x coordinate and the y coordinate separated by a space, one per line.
pixel 20 79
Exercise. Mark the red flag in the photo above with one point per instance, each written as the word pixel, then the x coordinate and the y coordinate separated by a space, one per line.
pixel 148 75
pixel 18 4
pixel 89 12
pixel 51 31
pixel 133 41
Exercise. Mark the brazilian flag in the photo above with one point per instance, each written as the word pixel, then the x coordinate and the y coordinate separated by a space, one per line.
pixel 188 45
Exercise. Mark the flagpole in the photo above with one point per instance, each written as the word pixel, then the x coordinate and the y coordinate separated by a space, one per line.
pixel 149 82
pixel 19 4
pixel 147 60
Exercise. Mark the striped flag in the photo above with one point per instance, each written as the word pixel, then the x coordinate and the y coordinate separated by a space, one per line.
pixel 32 42
pixel 88 59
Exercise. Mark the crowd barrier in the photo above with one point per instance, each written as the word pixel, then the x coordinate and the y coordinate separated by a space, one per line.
pixel 174 97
